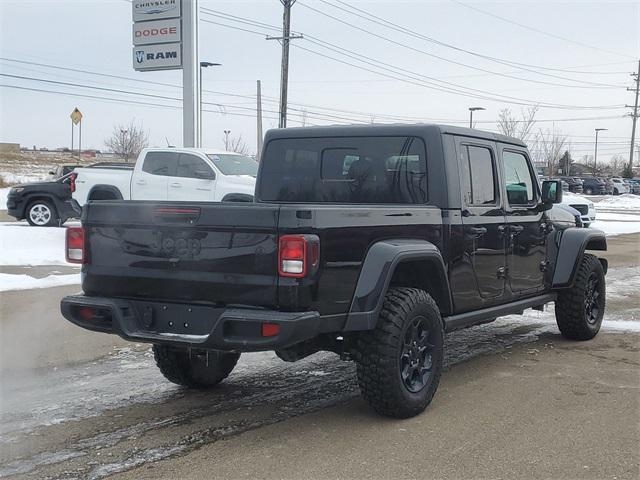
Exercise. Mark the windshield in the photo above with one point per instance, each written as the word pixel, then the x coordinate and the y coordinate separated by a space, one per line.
pixel 230 164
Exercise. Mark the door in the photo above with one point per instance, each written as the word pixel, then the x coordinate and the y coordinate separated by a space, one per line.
pixel 483 219
pixel 527 231
pixel 194 180
pixel 150 181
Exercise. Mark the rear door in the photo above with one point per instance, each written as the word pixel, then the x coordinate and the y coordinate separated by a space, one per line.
pixel 526 249
pixel 150 181
pixel 194 180
pixel 483 219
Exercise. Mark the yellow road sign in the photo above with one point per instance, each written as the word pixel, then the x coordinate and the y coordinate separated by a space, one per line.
pixel 76 116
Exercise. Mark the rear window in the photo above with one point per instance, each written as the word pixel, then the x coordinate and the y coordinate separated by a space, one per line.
pixel 160 163
pixel 345 170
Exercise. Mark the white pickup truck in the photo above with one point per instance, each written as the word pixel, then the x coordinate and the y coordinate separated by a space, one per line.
pixel 174 174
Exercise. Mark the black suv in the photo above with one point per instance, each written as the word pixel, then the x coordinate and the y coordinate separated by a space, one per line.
pixel 44 204
pixel 368 241
pixel 575 184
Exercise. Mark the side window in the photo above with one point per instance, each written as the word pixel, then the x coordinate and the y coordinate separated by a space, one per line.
pixel 160 163
pixel 478 175
pixel 190 166
pixel 520 187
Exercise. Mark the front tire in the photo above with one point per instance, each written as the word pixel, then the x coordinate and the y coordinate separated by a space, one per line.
pixel 588 191
pixel 580 309
pixel 399 363
pixel 194 370
pixel 42 213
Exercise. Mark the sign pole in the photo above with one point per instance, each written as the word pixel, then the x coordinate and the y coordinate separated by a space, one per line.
pixel 80 139
pixel 190 76
pixel 72 137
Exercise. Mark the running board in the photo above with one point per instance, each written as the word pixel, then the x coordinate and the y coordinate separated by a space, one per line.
pixel 486 315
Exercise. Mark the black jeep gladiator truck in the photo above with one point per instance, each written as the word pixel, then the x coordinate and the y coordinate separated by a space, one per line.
pixel 369 241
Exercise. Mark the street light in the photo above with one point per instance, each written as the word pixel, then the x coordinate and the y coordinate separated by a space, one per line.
pixel 203 65
pixel 595 156
pixel 471 110
pixel 226 139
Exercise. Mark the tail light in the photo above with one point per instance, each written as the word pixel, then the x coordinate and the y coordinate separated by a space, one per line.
pixel 72 182
pixel 75 245
pixel 298 255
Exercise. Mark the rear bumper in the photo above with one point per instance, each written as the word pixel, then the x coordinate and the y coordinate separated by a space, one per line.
pixel 194 325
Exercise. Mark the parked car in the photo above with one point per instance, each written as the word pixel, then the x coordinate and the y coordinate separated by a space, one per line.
pixel 619 187
pixel 351 247
pixel 575 184
pixel 585 207
pixel 44 204
pixel 594 186
pixel 60 171
pixel 175 174
pixel 634 186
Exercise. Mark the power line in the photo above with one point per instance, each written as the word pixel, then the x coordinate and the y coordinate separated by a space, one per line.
pixel 405 30
pixel 484 95
pixel 448 60
pixel 527 27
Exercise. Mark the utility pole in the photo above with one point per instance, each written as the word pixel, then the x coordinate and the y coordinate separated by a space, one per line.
pixel 284 77
pixel 190 75
pixel 259 120
pixel 634 116
pixel 595 156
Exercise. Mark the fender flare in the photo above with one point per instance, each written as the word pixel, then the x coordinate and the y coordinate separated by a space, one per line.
pixel 238 197
pixel 376 273
pixel 106 188
pixel 573 243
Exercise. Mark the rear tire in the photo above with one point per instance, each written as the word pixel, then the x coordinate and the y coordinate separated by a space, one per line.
pixel 202 370
pixel 399 363
pixel 580 309
pixel 42 213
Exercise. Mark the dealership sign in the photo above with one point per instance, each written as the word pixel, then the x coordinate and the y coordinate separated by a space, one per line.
pixel 157 57
pixel 158 31
pixel 157 34
pixel 144 10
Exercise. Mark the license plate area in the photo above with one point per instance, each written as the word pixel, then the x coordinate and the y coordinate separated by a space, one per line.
pixel 179 319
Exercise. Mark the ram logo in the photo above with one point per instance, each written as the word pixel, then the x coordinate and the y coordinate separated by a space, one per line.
pixel 140 56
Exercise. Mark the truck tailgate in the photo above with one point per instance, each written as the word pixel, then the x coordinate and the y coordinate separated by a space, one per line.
pixel 182 252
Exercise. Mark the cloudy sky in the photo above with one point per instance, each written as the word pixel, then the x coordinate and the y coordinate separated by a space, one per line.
pixel 360 60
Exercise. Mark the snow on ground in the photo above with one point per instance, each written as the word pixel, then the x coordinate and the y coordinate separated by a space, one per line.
pixel 626 201
pixel 21 244
pixel 4 193
pixel 25 282
pixel 616 228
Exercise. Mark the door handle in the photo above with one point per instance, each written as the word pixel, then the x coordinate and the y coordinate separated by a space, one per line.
pixel 516 229
pixel 141 182
pixel 175 185
pixel 478 231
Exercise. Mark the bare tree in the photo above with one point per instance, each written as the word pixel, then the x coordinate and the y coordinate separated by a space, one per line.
pixel 236 144
pixel 521 128
pixel 551 145
pixel 617 164
pixel 127 141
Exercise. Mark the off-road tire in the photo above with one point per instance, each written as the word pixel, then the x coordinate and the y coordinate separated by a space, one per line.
pixel 44 205
pixel 378 354
pixel 574 305
pixel 191 370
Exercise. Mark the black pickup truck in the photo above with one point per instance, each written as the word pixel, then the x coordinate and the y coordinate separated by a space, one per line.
pixel 368 241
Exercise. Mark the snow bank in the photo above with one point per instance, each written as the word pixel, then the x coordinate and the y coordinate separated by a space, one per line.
pixel 626 201
pixel 616 228
pixel 4 193
pixel 21 244
pixel 25 282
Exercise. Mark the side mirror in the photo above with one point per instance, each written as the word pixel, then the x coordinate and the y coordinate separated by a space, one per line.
pixel 205 174
pixel 551 193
